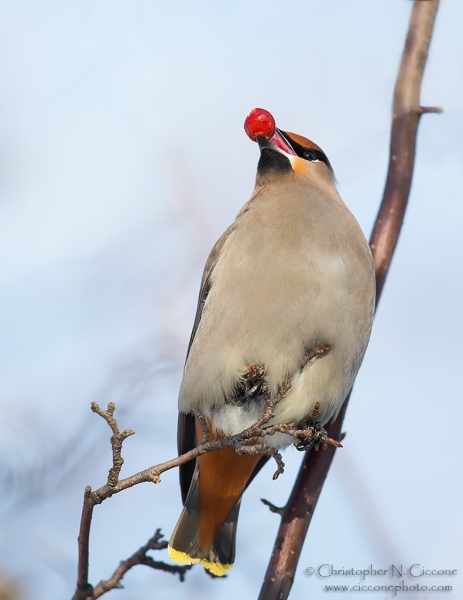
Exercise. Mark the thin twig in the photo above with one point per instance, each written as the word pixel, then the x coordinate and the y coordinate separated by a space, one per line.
pixel 245 442
pixel 259 429
pixel 274 509
pixel 300 507
pixel 117 440
pixel 140 558
pixel 280 465
pixel 204 426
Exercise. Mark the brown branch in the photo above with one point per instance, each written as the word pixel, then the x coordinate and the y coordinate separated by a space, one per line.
pixel 244 443
pixel 204 426
pixel 280 465
pixel 274 509
pixel 117 440
pixel 298 512
pixel 259 429
pixel 296 517
pixel 83 588
pixel 430 109
pixel 406 114
pixel 140 558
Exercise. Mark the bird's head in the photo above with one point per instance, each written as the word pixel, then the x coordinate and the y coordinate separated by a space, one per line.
pixel 289 155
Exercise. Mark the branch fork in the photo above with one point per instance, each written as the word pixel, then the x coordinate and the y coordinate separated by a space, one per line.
pixel 246 442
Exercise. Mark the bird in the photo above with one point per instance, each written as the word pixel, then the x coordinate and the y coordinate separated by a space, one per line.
pixel 293 274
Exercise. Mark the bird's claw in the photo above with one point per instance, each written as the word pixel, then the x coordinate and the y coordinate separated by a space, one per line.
pixel 313 435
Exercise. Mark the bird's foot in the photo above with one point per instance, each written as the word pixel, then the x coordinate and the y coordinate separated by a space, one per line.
pixel 311 437
pixel 253 385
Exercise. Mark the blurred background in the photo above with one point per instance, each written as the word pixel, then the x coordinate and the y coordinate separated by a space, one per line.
pixel 122 160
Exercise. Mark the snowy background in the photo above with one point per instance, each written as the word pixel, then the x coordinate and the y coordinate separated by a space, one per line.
pixel 122 159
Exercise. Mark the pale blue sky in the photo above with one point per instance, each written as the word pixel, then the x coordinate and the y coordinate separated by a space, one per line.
pixel 122 159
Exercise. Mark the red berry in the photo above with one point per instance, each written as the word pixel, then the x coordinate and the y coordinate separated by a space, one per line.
pixel 259 122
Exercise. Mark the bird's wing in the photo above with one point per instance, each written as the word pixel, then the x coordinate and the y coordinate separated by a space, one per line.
pixel 186 430
pixel 206 279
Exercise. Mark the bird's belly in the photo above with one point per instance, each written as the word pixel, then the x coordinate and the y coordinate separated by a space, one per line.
pixel 316 393
pixel 272 334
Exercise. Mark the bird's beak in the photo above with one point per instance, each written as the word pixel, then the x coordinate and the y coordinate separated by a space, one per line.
pixel 278 141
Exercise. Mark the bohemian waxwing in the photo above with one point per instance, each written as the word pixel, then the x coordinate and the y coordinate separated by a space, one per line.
pixel 293 273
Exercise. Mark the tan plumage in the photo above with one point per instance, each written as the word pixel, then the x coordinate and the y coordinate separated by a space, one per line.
pixel 292 273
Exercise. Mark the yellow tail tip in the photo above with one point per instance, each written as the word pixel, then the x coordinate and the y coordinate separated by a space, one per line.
pixel 183 558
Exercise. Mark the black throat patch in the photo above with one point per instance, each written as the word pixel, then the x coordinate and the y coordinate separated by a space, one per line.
pixel 273 163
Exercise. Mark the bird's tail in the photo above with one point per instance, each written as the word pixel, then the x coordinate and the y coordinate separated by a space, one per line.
pixel 184 545
pixel 206 530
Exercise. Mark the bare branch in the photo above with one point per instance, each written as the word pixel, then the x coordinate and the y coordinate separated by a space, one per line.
pixel 117 440
pixel 83 588
pixel 140 558
pixel 245 442
pixel 406 114
pixel 280 465
pixel 296 517
pixel 274 509
pixel 204 426
pixel 298 512
pixel 260 429
pixel 430 109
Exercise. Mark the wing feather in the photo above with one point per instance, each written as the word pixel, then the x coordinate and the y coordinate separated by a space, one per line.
pixel 186 430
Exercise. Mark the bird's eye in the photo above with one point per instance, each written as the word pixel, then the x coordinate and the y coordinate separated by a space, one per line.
pixel 311 155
